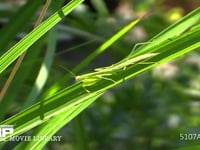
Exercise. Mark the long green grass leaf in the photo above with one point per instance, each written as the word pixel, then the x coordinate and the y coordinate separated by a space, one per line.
pixel 15 25
pixel 56 123
pixel 46 109
pixel 33 36
pixel 105 45
pixel 174 30
pixel 44 70
pixel 22 76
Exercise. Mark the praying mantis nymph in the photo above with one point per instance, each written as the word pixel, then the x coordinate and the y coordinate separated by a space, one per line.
pixel 127 62
pixel 103 73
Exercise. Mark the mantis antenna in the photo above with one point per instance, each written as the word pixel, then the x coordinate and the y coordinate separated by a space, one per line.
pixel 73 74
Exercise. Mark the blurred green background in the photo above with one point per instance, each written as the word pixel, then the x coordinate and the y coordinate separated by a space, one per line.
pixel 149 112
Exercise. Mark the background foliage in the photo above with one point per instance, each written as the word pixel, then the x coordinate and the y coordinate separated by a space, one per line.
pixel 147 112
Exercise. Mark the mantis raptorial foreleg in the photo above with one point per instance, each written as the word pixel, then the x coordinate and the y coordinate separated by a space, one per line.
pixel 153 42
pixel 92 78
pixel 137 45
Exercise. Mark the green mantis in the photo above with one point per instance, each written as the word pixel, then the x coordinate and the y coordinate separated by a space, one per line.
pixel 126 63
pixel 103 73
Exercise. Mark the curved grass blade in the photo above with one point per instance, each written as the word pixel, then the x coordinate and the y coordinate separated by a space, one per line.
pixel 173 30
pixel 15 25
pixel 55 124
pixel 105 45
pixel 33 36
pixel 44 70
pixel 44 110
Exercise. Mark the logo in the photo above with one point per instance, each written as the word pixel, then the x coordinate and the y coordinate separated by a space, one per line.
pixel 5 130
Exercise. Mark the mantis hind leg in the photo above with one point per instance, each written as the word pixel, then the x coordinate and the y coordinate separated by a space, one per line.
pixel 136 46
pixel 109 79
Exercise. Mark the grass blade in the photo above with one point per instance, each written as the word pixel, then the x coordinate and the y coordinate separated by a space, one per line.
pixel 15 25
pixel 33 36
pixel 44 70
